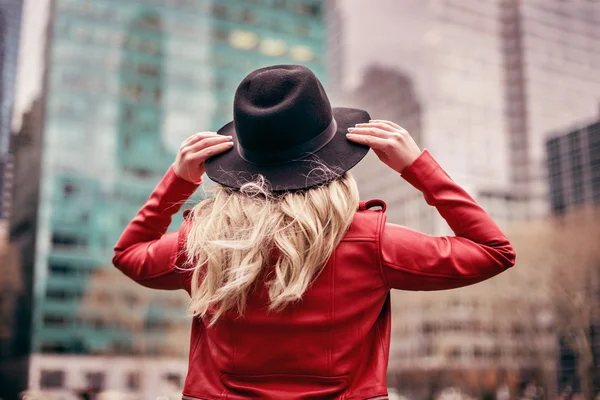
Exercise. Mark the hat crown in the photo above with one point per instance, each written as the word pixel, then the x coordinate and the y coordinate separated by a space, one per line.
pixel 280 107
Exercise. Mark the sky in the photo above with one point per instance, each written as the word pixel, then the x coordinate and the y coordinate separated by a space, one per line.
pixel 371 31
pixel 374 28
pixel 35 14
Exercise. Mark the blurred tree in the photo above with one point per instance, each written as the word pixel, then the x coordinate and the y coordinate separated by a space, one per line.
pixel 566 253
pixel 11 285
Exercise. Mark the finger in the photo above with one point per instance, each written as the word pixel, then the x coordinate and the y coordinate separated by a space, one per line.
pixel 381 125
pixel 211 151
pixel 207 142
pixel 196 137
pixel 393 124
pixel 371 131
pixel 372 141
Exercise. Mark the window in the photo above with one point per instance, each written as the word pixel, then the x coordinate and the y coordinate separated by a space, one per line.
pixel 133 380
pixel 219 10
pixel 148 70
pixel 67 239
pixel 139 90
pixel 155 325
pixel 248 17
pixel 95 380
pixel 56 294
pixel 496 354
pixel 52 379
pixel 69 189
pixel 455 354
pixel 273 47
pixel 55 321
pixel 312 10
pixel 243 40
pixel 62 269
pixel 53 347
pixel 302 53
pixel 219 35
pixel 173 378
pixel 302 30
pixel 141 172
pixel 149 22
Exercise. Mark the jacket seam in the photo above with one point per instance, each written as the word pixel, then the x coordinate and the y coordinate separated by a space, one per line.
pixel 380 227
pixel 413 272
pixel 332 316
pixel 360 239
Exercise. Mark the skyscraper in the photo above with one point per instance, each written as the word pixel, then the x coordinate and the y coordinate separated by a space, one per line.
pixel 10 30
pixel 549 48
pixel 125 84
pixel 493 78
pixel 390 94
pixel 573 162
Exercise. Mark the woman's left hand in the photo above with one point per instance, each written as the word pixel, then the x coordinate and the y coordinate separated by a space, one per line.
pixel 196 149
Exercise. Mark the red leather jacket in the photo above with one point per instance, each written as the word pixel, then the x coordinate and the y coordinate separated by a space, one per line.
pixel 335 342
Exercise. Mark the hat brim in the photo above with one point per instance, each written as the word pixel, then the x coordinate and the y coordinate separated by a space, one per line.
pixel 331 161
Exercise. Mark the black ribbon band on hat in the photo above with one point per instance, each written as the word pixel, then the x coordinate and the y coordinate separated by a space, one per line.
pixel 296 153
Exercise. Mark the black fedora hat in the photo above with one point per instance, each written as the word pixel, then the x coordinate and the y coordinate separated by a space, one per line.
pixel 285 129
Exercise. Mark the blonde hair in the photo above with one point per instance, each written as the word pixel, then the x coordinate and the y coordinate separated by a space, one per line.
pixel 236 235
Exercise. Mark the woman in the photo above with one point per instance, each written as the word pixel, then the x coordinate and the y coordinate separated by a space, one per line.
pixel 289 274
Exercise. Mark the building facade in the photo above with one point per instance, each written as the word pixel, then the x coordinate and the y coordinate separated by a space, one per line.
pixel 10 31
pixel 573 162
pixel 573 171
pixel 492 78
pixel 125 84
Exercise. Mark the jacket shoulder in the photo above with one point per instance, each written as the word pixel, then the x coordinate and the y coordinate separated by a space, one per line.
pixel 368 221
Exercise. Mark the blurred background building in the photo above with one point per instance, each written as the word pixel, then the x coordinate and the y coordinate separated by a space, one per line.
pixel 481 85
pixel 492 79
pixel 122 87
pixel 492 89
pixel 574 168
pixel 573 162
pixel 10 26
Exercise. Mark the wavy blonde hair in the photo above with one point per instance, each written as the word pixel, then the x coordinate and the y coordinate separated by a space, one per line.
pixel 236 235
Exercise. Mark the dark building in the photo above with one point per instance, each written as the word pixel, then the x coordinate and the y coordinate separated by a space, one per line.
pixel 390 94
pixel 10 27
pixel 15 347
pixel 573 162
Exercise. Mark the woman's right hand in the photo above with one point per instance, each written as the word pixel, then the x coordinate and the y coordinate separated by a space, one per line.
pixel 391 143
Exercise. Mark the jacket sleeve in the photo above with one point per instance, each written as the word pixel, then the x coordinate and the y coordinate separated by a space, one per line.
pixel 145 252
pixel 415 261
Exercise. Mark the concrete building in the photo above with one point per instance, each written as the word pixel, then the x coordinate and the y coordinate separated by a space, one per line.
pixel 492 79
pixel 124 85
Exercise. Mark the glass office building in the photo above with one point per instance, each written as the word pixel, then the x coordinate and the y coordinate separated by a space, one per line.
pixel 127 81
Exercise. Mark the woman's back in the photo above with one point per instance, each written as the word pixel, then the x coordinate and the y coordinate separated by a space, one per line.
pixel 321 345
